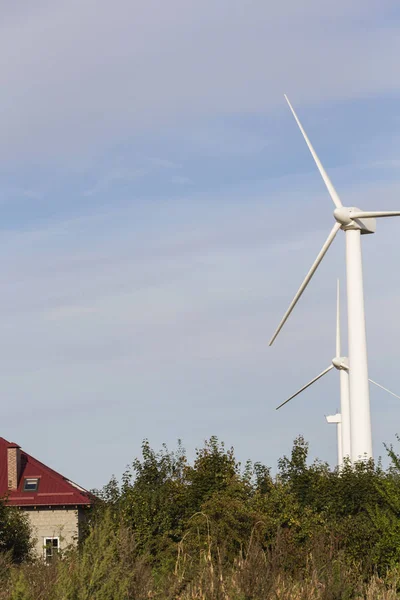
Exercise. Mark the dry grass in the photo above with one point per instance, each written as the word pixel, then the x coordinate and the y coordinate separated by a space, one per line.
pixel 255 574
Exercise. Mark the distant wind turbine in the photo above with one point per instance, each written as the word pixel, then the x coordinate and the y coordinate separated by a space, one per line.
pixel 341 363
pixel 353 222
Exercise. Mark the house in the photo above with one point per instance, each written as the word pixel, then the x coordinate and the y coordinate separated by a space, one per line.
pixel 57 508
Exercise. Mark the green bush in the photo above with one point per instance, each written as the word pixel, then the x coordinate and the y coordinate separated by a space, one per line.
pixel 15 533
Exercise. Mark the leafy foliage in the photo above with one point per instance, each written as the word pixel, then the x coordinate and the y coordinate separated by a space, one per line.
pixel 15 533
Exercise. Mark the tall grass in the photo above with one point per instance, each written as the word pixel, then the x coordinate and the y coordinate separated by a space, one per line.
pixel 108 567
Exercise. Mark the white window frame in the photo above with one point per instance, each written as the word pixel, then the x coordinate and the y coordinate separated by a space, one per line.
pixel 50 538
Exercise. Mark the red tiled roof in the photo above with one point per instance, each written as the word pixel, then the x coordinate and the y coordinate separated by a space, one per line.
pixel 53 490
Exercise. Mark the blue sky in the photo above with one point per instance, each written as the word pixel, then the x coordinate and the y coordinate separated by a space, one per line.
pixel 160 208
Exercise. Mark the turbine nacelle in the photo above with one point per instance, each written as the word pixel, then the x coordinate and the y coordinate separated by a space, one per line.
pixel 334 418
pixel 341 363
pixel 337 420
pixel 348 218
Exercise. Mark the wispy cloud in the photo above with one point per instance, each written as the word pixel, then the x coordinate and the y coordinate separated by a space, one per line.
pixel 181 180
pixel 136 68
pixel 70 311
pixel 115 176
pixel 163 163
pixel 125 174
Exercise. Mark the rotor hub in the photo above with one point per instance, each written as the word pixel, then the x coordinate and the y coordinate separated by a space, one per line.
pixel 341 363
pixel 343 215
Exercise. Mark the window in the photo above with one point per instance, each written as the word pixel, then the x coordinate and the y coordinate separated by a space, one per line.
pixel 51 547
pixel 31 485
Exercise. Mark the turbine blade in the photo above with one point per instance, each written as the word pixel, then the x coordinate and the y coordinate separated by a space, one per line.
pixel 310 273
pixel 332 192
pixel 383 388
pixel 306 386
pixel 338 351
pixel 377 214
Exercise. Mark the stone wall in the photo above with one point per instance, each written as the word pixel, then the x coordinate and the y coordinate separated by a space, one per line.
pixel 54 522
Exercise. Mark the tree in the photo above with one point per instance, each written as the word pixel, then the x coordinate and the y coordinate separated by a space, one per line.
pixel 152 498
pixel 15 533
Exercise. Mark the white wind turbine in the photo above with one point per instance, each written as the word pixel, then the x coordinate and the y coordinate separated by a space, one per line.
pixel 341 364
pixel 342 419
pixel 353 222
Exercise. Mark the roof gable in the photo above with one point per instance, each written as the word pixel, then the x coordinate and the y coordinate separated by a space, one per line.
pixel 53 490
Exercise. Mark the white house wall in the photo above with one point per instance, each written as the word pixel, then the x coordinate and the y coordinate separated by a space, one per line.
pixel 47 523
